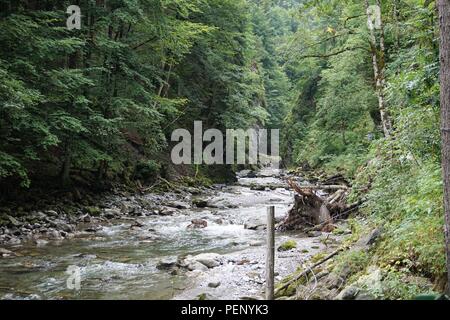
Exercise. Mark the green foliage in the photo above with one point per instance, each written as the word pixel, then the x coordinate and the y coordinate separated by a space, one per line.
pixel 288 245
pixel 102 98
pixel 397 285
pixel 147 170
pixel 334 125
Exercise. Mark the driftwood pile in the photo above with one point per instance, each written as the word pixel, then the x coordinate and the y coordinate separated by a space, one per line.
pixel 317 207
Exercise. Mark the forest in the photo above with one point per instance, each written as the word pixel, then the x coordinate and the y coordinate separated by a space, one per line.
pixel 359 89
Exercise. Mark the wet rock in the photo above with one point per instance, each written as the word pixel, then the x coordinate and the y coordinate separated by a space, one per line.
pixel 246 174
pixel 111 213
pixel 85 218
pixel 93 229
pixel 137 224
pixel 148 238
pixel 64 227
pixel 214 284
pixel 13 221
pixel 195 265
pixel 167 211
pixel 136 211
pixel 255 226
pixel 38 215
pixel 54 235
pixel 6 253
pixel 198 224
pixel 200 203
pixel 40 242
pixel 167 264
pixel 258 187
pixel 179 205
pixel 51 213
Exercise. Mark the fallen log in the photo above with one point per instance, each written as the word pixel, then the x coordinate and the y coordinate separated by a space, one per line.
pixel 324 187
pixel 308 270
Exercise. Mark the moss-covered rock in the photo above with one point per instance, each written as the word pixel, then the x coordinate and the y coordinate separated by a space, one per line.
pixel 288 245
pixel 93 211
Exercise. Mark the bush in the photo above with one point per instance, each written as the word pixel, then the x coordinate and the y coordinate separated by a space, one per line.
pixel 147 170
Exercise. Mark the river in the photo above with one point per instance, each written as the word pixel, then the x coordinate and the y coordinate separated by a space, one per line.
pixel 120 261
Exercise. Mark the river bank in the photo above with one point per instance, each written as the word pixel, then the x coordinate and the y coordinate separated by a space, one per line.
pixel 192 243
pixel 122 243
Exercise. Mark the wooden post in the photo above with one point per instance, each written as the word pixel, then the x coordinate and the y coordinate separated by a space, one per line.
pixel 270 255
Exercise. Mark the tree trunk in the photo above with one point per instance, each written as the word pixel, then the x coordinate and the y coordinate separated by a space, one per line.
pixel 378 62
pixel 444 22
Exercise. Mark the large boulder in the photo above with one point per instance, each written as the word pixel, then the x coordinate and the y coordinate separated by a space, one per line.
pixel 195 265
pixel 210 260
pixel 367 287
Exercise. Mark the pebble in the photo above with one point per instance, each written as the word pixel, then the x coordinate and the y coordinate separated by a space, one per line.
pixel 214 284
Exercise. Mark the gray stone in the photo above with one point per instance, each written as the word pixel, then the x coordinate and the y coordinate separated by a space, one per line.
pixel 179 205
pixel 167 264
pixel 14 221
pixel 200 203
pixel 366 241
pixel 52 213
pixel 255 226
pixel 211 260
pixel 198 224
pixel 6 253
pixel 256 243
pixel 195 265
pixel 167 211
pixel 111 213
pixel 214 284
pixel 349 293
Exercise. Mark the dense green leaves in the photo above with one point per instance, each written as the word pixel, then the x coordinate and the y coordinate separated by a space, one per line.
pixel 106 97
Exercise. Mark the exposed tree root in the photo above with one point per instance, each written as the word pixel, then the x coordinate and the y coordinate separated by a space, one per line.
pixel 312 209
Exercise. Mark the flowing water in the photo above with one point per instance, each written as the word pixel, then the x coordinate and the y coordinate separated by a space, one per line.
pixel 119 262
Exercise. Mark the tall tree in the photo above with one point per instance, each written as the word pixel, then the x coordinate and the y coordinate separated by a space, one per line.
pixel 378 59
pixel 444 18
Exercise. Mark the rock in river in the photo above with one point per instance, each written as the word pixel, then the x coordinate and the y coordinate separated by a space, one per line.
pixel 198 224
pixel 200 203
pixel 179 205
pixel 195 265
pixel 167 264
pixel 210 260
pixel 255 226
pixel 6 253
